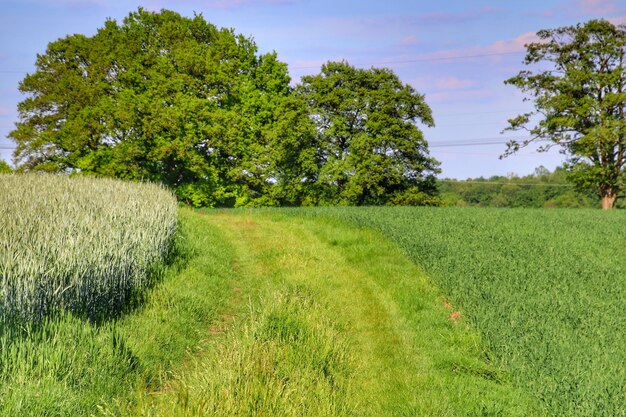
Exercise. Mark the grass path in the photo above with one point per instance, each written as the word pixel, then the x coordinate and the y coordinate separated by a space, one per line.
pixel 327 320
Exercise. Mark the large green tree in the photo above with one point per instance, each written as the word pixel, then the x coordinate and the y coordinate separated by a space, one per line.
pixel 579 94
pixel 369 148
pixel 170 99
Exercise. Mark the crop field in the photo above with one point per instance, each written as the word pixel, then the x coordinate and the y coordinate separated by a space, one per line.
pixel 74 252
pixel 545 288
pixel 78 244
pixel 304 312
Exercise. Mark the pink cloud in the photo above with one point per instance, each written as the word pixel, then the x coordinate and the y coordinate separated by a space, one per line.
pixel 409 41
pixel 596 6
pixel 446 17
pixel 7 111
pixel 83 4
pixel 362 26
pixel 453 83
pixel 216 4
pixel 456 96
pixel 513 45
pixel 619 20
pixel 540 13
pixel 227 4
pixel 495 49
pixel 422 82
pixel 309 64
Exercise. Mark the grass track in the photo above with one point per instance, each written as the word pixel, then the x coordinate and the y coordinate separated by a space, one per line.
pixel 328 320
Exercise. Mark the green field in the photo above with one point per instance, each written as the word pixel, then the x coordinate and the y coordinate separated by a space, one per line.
pixel 545 288
pixel 308 312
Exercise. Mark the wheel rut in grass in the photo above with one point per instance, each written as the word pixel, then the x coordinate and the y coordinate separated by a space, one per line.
pixel 328 320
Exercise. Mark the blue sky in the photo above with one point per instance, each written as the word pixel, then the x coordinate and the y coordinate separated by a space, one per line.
pixel 457 53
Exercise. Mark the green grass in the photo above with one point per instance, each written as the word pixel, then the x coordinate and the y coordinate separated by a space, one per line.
pixel 329 320
pixel 429 312
pixel 545 289
pixel 67 366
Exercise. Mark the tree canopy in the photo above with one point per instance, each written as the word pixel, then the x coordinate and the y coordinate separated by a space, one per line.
pixel 175 100
pixel 159 97
pixel 579 94
pixel 4 167
pixel 370 149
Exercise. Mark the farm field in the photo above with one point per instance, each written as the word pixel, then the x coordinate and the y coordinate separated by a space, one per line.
pixel 546 289
pixel 79 244
pixel 305 312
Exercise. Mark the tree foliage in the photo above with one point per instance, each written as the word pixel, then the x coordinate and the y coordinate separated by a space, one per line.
pixel 4 167
pixel 579 94
pixel 175 100
pixel 159 97
pixel 369 148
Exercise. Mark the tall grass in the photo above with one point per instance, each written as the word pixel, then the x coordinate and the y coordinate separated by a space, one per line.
pixel 546 288
pixel 328 320
pixel 68 366
pixel 286 360
pixel 80 244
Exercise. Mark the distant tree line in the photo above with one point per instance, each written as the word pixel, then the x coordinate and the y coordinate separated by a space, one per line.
pixel 541 189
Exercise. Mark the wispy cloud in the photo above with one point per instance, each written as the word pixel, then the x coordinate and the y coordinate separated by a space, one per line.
pixel 596 6
pixel 619 20
pixel 409 40
pixel 512 45
pixel 230 4
pixel 540 13
pixel 7 111
pixel 442 89
pixel 83 3
pixel 370 27
pixel 493 50
pixel 454 83
pixel 437 18
pixel 155 5
pixel 582 9
pixel 71 5
pixel 458 96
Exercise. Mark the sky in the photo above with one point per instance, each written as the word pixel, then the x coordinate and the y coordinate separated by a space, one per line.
pixel 456 53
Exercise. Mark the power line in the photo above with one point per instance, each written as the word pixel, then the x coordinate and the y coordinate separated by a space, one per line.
pixel 403 61
pixel 462 144
pixel 408 61
pixel 481 112
pixel 506 183
pixel 474 142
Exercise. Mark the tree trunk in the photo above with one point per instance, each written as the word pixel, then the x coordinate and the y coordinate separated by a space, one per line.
pixel 608 199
